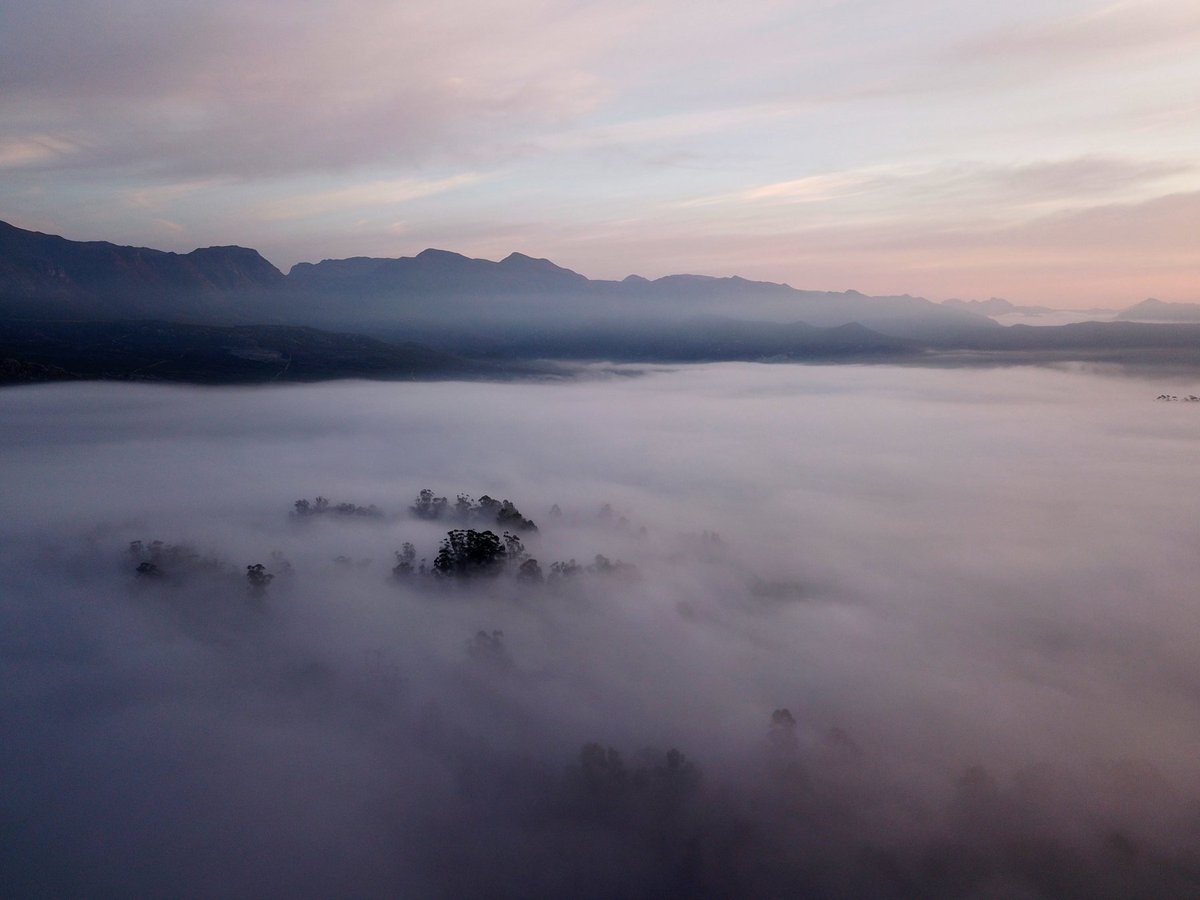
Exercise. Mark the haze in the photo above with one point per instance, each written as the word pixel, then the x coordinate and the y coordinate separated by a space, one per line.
pixel 972 591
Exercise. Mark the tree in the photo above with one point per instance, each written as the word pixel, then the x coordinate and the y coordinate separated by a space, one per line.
pixel 783 749
pixel 602 770
pixel 489 650
pixel 428 506
pixel 509 516
pixel 467 553
pixel 560 570
pixel 258 577
pixel 513 548
pixel 405 557
pixel 530 571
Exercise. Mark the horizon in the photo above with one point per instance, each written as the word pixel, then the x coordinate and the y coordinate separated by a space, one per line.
pixel 631 275
pixel 1043 153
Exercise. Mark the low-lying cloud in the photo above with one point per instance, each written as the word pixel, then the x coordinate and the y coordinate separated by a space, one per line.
pixel 877 632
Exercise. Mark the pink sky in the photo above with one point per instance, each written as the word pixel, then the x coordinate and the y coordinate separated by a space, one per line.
pixel 1044 152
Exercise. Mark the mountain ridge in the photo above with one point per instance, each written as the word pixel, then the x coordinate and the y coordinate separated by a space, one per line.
pixel 1154 310
pixel 521 307
pixel 51 276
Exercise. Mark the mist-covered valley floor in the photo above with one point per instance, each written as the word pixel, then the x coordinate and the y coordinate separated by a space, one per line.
pixel 845 631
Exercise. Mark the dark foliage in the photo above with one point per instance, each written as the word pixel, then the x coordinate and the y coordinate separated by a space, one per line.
pixel 489 650
pixel 320 506
pixel 156 559
pixel 428 506
pixel 467 553
pixel 405 558
pixel 37 350
pixel 530 571
pixel 466 511
pixel 258 578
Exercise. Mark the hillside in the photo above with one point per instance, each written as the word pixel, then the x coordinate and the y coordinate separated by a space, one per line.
pixel 206 354
pixel 50 276
pixel 46 276
pixel 1152 310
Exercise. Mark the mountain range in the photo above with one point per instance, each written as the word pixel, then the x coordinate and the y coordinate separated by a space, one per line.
pixel 226 313
pixel 51 277
pixel 1152 310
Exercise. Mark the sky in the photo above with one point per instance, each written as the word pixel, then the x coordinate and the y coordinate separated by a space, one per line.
pixel 984 628
pixel 1041 151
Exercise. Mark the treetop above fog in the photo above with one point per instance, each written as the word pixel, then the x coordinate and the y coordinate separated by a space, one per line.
pixel 465 511
pixel 487 510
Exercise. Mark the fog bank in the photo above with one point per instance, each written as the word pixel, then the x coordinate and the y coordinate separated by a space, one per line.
pixel 972 591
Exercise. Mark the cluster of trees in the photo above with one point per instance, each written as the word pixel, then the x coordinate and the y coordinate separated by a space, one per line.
pixel 466 510
pixel 601 783
pixel 487 648
pixel 464 553
pixel 257 577
pixel 320 506
pixel 467 553
pixel 155 559
pixel 600 565
pixel 158 559
pixel 1190 398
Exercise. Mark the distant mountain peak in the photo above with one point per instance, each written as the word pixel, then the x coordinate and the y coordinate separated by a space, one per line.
pixel 684 278
pixel 524 263
pixel 1153 309
pixel 433 253
pixel 51 275
pixel 46 275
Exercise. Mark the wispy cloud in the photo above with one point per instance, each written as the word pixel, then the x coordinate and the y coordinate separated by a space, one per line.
pixel 33 149
pixel 1118 28
pixel 1005 188
pixel 356 196
pixel 157 196
pixel 670 127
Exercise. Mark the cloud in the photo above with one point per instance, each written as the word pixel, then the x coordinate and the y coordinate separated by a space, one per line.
pixel 363 196
pixel 1086 232
pixel 230 91
pixel 1095 35
pixel 997 188
pixel 162 195
pixel 809 189
pixel 26 151
pixel 932 570
pixel 1087 176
